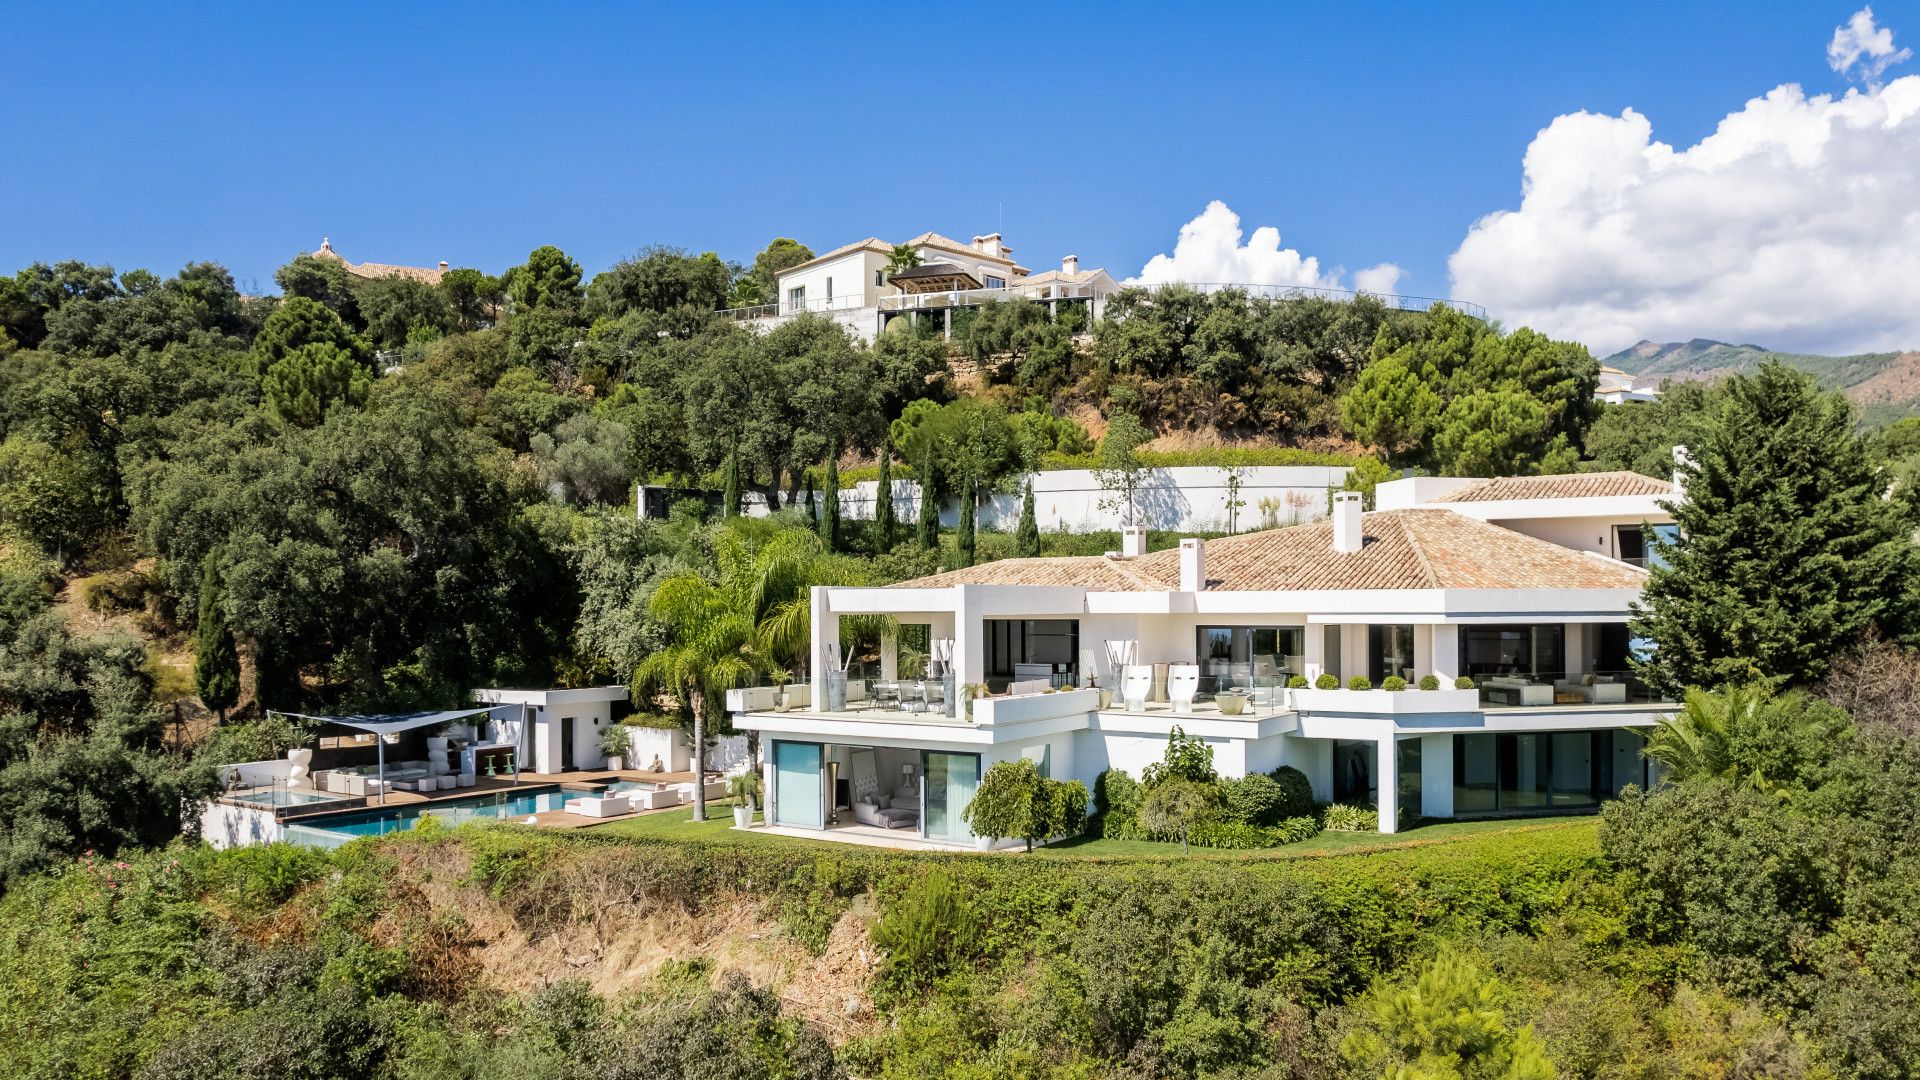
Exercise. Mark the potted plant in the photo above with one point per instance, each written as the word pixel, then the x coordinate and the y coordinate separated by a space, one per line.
pixel 971 691
pixel 781 699
pixel 1106 696
pixel 1360 682
pixel 1327 681
pixel 1393 683
pixel 1230 703
pixel 744 789
pixel 616 744
pixel 1429 682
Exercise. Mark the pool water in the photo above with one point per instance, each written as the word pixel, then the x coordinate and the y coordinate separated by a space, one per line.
pixel 281 797
pixel 332 831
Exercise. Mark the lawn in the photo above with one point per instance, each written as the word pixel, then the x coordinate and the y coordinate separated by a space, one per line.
pixel 718 829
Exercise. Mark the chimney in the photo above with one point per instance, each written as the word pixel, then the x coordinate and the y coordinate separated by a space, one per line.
pixel 443 266
pixel 1346 521
pixel 1133 541
pixel 1682 461
pixel 1193 565
pixel 989 244
pixel 1070 264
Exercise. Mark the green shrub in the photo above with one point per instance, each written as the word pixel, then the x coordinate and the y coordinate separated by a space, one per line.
pixel 1171 809
pixel 1341 818
pixel 1296 792
pixel 1429 682
pixel 1463 683
pixel 1296 682
pixel 926 928
pixel 1187 758
pixel 1256 800
pixel 1116 805
pixel 1361 682
pixel 1393 683
pixel 263 876
pixel 1327 681
pixel 1240 836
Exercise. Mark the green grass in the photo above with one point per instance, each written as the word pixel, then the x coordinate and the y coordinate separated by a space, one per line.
pixel 718 829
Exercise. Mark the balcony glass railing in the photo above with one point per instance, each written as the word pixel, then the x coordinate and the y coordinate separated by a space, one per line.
pixel 1534 689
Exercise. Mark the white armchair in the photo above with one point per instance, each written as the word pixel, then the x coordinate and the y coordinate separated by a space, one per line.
pixel 1183 682
pixel 1136 682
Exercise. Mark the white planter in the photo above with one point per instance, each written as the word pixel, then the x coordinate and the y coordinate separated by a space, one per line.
pixel 743 817
pixel 616 762
pixel 983 843
pixel 1231 704
pixel 1386 702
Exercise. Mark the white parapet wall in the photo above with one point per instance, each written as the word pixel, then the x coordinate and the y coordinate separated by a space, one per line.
pixel 1188 498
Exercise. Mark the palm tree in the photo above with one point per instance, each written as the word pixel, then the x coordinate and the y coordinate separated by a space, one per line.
pixel 902 257
pixel 1746 734
pixel 755 619
pixel 1697 741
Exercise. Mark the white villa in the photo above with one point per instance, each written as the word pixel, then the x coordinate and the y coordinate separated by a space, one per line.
pixel 851 284
pixel 1521 585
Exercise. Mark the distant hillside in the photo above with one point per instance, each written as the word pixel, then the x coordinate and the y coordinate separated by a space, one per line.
pixel 1886 386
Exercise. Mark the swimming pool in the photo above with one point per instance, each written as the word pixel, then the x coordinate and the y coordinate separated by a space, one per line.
pixel 332 831
pixel 281 797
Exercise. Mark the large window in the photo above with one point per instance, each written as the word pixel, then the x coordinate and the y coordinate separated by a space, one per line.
pixel 1246 656
pixel 1634 543
pixel 1537 649
pixel 996 282
pixel 1525 771
pixel 1028 649
pixel 797 298
pixel 799 790
pixel 951 780
pixel 1390 652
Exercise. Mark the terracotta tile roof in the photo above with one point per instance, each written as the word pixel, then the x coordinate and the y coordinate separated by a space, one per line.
pixel 1081 571
pixel 1566 486
pixel 424 274
pixel 871 243
pixel 1403 549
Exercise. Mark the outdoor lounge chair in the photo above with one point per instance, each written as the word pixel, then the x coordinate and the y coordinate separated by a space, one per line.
pixel 600 806
pixel 1136 682
pixel 657 798
pixel 1183 682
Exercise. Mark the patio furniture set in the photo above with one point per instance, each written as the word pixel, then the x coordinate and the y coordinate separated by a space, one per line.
pixel 908 695
pixel 609 804
pixel 402 776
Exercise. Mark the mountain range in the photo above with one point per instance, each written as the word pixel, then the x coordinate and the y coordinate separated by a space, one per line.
pixel 1885 386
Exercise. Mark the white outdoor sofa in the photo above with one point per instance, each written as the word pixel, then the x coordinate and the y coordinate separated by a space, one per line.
pixel 600 806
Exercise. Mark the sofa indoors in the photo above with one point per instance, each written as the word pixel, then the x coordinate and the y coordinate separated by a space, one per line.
pixel 899 810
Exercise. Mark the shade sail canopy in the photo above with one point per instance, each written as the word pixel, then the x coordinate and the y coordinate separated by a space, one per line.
pixel 393 723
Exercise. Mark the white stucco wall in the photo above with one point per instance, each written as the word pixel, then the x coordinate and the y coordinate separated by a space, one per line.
pixel 1072 500
pixel 224 826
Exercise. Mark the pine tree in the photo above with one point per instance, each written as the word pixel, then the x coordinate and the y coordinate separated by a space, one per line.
pixel 927 529
pixel 216 662
pixel 1026 538
pixel 1786 551
pixel 830 516
pixel 883 522
pixel 730 502
pixel 964 541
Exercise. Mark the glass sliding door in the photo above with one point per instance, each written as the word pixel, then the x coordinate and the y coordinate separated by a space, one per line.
pixel 1562 770
pixel 1390 652
pixel 799 787
pixel 1249 656
pixel 950 781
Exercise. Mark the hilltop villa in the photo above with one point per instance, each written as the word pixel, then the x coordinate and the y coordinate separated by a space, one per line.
pixel 852 285
pixel 1521 585
pixel 426 275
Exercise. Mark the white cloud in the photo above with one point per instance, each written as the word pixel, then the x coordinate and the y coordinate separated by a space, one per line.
pixel 1210 252
pixel 1860 42
pixel 1795 225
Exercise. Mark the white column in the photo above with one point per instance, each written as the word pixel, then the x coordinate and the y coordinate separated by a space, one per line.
pixel 1353 652
pixel 1577 663
pixel 826 636
pixel 1436 776
pixel 1386 780
pixel 969 641
pixel 890 655
pixel 1446 654
pixel 1423 634
pixel 1315 657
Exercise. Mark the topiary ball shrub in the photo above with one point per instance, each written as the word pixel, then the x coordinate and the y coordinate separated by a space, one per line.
pixel 1393 682
pixel 1297 682
pixel 1359 682
pixel 1429 682
pixel 1463 683
pixel 1327 682
pixel 1296 792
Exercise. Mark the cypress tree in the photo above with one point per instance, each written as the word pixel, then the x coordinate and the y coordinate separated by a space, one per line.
pixel 813 512
pixel 830 517
pixel 1026 538
pixel 730 502
pixel 883 523
pixel 927 529
pixel 965 539
pixel 1786 550
pixel 216 662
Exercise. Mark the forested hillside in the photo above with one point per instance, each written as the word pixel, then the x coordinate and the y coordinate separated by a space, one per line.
pixel 1885 386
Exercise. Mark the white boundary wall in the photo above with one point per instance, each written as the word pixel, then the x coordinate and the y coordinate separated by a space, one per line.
pixel 1189 498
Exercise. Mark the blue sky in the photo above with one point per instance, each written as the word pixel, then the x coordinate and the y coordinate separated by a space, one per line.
pixel 244 133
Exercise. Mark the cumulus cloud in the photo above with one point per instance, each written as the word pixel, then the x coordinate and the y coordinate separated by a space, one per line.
pixel 1795 225
pixel 1210 251
pixel 1860 42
